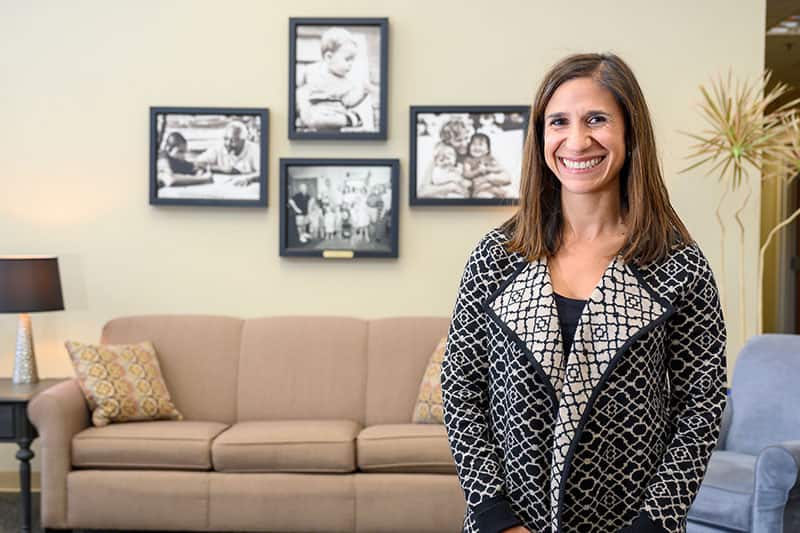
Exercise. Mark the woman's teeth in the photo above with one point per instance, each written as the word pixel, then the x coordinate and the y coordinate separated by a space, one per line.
pixel 581 165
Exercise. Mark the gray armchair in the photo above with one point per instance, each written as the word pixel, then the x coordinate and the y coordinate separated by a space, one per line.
pixel 751 484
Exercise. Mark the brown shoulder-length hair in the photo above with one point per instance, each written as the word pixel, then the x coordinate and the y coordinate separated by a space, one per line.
pixel 654 228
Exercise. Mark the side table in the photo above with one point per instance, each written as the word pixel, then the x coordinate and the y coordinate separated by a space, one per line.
pixel 15 427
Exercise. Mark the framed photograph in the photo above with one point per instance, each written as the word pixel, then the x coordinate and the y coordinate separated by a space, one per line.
pixel 466 155
pixel 339 208
pixel 338 78
pixel 208 156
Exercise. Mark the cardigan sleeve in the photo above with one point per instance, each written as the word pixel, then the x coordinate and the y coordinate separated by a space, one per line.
pixel 696 370
pixel 465 397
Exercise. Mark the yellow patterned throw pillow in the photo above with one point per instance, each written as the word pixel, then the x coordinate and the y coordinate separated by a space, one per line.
pixel 429 401
pixel 122 383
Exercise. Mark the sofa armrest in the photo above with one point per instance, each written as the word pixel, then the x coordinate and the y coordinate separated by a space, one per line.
pixel 58 413
pixel 777 473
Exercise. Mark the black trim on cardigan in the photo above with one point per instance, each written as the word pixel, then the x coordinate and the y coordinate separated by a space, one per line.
pixel 515 338
pixel 517 269
pixel 494 515
pixel 528 354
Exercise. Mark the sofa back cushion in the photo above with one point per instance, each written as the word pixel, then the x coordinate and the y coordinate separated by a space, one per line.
pixel 764 394
pixel 198 356
pixel 398 350
pixel 302 368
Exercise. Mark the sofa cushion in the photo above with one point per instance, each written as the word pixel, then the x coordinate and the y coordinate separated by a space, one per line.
pixel 405 448
pixel 199 357
pixel 287 446
pixel 429 408
pixel 302 368
pixel 103 501
pixel 416 503
pixel 283 502
pixel 122 382
pixel 725 496
pixel 399 350
pixel 173 445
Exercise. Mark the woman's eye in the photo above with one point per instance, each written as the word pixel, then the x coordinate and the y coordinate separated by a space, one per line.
pixel 558 122
pixel 597 119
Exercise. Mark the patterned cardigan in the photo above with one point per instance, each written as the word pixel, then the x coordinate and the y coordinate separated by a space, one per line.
pixel 619 437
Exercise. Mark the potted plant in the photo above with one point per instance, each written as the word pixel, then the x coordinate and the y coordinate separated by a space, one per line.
pixel 749 134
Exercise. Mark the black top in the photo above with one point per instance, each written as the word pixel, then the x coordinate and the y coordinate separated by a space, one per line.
pixel 569 312
pixel 301 201
pixel 180 166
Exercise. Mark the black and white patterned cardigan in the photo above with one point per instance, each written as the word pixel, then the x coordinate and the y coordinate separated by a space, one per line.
pixel 623 435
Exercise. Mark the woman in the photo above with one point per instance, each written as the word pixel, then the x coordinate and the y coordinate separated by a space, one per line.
pixel 583 380
pixel 448 156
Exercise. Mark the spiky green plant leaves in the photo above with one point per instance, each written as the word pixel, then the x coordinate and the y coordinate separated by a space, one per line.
pixel 745 128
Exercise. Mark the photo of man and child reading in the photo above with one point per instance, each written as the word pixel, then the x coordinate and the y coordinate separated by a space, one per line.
pixel 339 208
pixel 206 156
pixel 469 155
pixel 337 87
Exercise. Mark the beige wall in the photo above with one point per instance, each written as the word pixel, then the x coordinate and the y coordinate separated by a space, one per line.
pixel 78 77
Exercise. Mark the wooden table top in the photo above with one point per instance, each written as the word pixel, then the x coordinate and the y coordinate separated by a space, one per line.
pixel 11 392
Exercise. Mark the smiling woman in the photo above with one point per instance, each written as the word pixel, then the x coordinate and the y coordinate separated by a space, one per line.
pixel 585 146
pixel 591 106
pixel 583 377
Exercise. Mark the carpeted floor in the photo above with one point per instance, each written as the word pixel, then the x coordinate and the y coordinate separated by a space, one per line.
pixel 9 512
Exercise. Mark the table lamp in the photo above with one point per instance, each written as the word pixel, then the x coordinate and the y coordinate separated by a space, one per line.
pixel 28 284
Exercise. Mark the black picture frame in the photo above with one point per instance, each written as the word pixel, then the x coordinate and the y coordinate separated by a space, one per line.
pixel 297 130
pixel 348 199
pixel 512 130
pixel 223 188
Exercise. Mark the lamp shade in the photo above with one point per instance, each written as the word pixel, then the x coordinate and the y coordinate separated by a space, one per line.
pixel 30 284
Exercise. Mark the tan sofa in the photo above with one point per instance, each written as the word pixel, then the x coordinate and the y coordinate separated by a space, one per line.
pixel 291 424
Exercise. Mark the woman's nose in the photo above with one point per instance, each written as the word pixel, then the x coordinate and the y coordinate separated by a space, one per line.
pixel 578 138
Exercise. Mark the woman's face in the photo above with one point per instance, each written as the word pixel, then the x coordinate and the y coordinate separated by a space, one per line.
pixel 457 135
pixel 584 136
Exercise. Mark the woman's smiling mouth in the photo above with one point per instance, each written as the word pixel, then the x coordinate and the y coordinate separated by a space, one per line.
pixel 582 164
